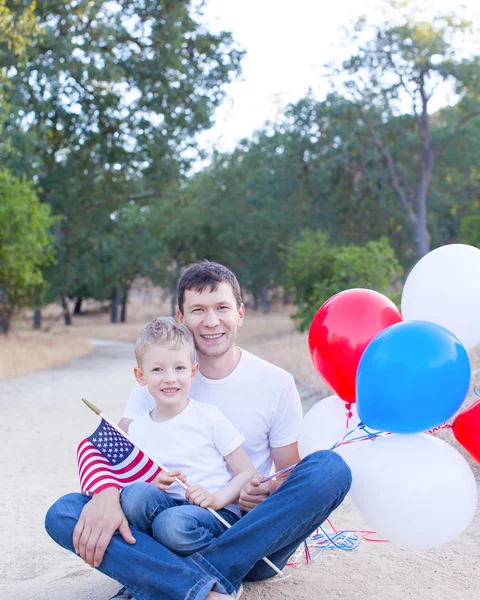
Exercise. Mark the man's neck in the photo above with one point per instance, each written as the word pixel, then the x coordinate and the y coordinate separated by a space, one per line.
pixel 219 367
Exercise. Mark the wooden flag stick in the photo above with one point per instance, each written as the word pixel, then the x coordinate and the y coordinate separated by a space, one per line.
pixel 97 411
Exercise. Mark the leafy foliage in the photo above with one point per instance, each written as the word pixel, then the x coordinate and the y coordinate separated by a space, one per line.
pixel 25 245
pixel 410 61
pixel 470 229
pixel 102 111
pixel 316 270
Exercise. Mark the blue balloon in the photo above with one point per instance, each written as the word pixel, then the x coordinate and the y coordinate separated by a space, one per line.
pixel 413 376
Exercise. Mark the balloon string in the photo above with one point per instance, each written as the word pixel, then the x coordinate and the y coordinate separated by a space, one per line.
pixel 444 426
pixel 369 435
pixel 318 542
pixel 348 412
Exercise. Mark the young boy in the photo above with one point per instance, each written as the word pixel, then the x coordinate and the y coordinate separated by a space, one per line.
pixel 195 440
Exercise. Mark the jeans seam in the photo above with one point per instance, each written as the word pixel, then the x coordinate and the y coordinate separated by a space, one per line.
pixel 210 569
pixel 155 512
pixel 304 522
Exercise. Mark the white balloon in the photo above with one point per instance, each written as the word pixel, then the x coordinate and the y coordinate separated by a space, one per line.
pixel 324 425
pixel 414 490
pixel 443 288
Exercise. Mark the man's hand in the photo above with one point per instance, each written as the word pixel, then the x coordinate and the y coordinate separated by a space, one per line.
pixel 164 479
pixel 255 492
pixel 197 494
pixel 100 518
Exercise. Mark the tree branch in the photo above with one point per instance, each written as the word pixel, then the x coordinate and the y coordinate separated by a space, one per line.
pixel 385 152
pixel 132 197
pixel 442 147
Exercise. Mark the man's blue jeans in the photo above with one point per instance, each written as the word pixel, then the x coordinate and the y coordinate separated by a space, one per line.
pixel 178 525
pixel 275 528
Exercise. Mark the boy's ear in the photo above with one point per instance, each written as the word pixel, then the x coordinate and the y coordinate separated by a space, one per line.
pixel 194 371
pixel 139 376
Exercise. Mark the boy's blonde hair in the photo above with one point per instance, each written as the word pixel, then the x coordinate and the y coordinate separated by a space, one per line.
pixel 164 331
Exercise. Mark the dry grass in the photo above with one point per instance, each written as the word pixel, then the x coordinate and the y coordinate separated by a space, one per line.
pixel 272 337
pixel 22 353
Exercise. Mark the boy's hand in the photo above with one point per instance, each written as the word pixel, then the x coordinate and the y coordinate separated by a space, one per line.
pixel 255 492
pixel 164 479
pixel 198 495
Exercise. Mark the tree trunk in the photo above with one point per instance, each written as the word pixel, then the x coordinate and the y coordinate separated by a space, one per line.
pixel 37 318
pixel 265 300
pixel 420 225
pixel 173 299
pixel 115 299
pixel 4 322
pixel 123 312
pixel 78 307
pixel 174 290
pixel 66 312
pixel 422 237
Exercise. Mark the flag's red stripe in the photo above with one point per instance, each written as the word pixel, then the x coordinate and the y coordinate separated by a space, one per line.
pixel 125 473
pixel 106 486
pixel 128 467
pixel 83 454
pixel 107 480
pixel 139 476
pixel 95 455
pixel 97 472
pixel 124 481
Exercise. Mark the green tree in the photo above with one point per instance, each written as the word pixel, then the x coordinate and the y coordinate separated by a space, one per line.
pixel 101 113
pixel 470 228
pixel 25 245
pixel 409 60
pixel 315 270
pixel 17 27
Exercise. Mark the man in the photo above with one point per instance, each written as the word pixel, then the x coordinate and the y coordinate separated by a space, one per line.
pixel 262 402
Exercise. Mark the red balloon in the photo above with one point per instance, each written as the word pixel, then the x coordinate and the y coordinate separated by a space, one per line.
pixel 466 429
pixel 342 329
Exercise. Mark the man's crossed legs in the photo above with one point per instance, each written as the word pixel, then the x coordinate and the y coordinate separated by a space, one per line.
pixel 275 528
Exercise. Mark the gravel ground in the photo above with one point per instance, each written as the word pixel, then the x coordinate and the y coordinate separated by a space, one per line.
pixel 44 419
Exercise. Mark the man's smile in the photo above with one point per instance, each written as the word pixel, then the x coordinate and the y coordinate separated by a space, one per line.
pixel 211 336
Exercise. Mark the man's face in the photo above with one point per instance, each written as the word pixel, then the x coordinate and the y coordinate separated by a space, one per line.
pixel 213 318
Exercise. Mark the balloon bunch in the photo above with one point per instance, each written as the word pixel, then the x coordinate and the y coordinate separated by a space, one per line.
pixel 403 374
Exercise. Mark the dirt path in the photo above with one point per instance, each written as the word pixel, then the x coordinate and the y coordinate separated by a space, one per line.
pixel 43 420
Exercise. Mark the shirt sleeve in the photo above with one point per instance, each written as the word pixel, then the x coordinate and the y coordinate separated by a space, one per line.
pixel 225 436
pixel 286 417
pixel 139 402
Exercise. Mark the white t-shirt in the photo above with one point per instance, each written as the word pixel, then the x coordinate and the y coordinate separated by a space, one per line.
pixel 260 399
pixel 194 442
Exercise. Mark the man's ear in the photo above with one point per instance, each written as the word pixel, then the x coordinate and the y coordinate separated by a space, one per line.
pixel 241 314
pixel 139 376
pixel 179 315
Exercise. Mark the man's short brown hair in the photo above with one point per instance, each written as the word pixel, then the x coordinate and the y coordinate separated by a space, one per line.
pixel 206 274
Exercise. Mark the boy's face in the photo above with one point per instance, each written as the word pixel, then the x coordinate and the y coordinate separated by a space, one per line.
pixel 167 372
pixel 214 318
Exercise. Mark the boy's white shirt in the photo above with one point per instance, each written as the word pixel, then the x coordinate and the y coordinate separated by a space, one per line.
pixel 194 442
pixel 260 399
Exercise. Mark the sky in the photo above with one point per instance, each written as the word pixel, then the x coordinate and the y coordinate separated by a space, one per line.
pixel 287 43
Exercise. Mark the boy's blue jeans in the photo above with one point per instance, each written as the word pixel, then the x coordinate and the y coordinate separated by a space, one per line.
pixel 176 524
pixel 275 528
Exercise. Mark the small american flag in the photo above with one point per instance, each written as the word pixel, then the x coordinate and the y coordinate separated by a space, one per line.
pixel 109 459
